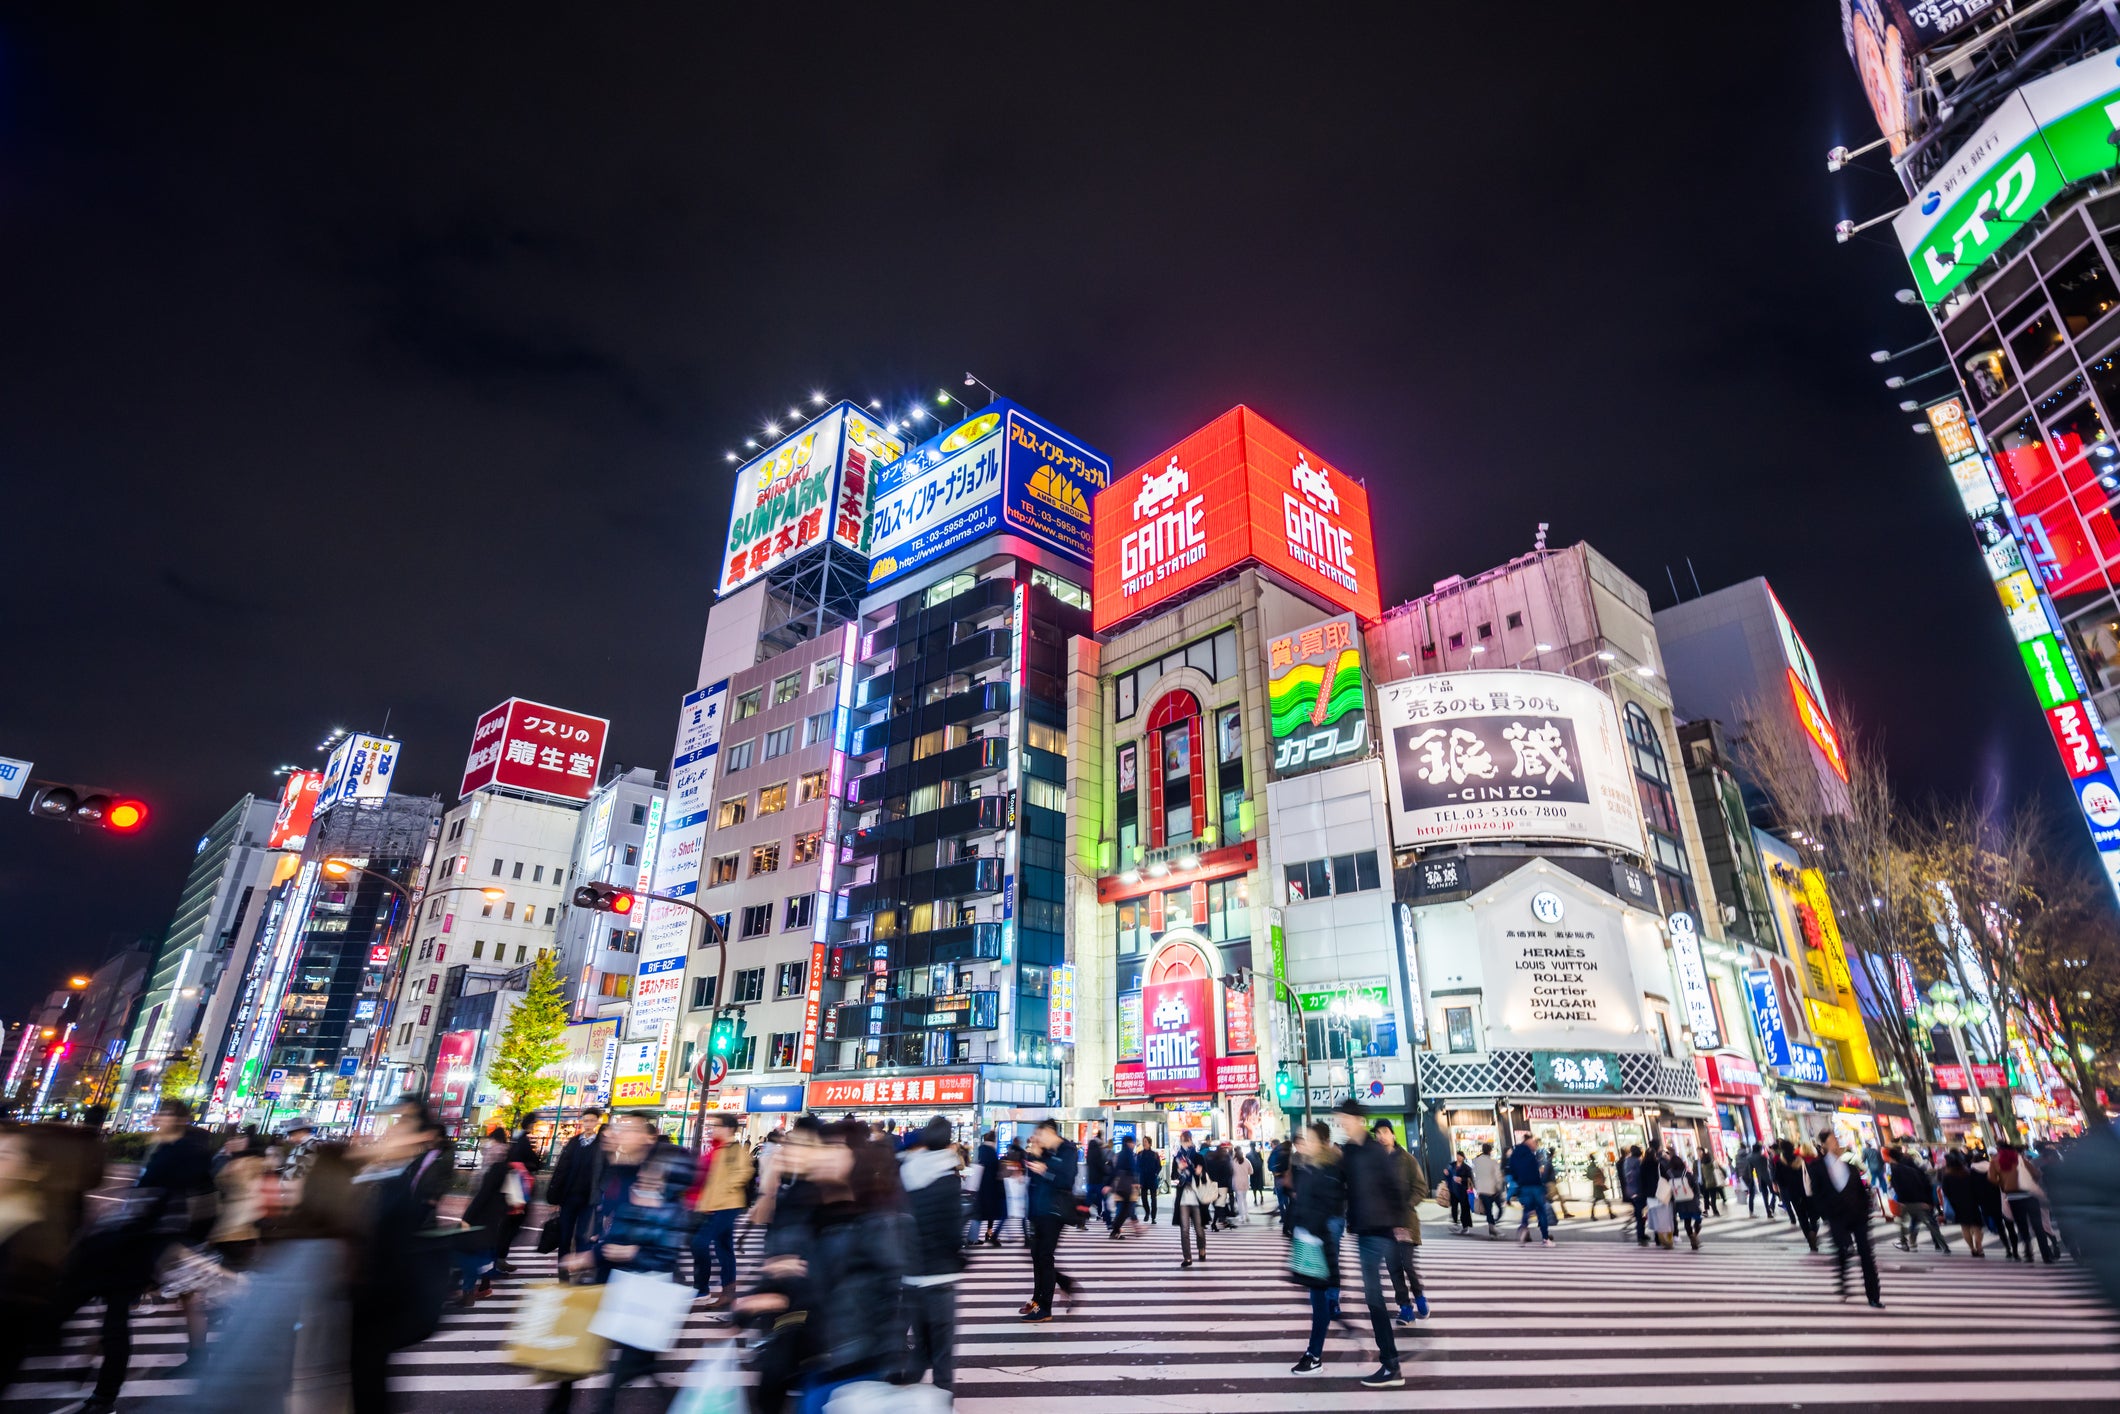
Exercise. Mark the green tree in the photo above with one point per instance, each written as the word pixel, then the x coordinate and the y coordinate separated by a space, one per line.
pixel 533 1041
pixel 180 1076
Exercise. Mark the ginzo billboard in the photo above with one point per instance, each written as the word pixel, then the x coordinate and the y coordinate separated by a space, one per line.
pixel 1507 755
pixel 529 746
pixel 1240 490
pixel 809 488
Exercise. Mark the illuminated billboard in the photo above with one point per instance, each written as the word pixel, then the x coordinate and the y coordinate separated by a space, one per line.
pixel 1314 696
pixel 298 804
pixel 2049 133
pixel 1238 491
pixel 1507 755
pixel 809 488
pixel 1000 469
pixel 529 746
pixel 359 769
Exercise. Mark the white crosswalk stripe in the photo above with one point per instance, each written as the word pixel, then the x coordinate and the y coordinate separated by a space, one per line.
pixel 1750 1321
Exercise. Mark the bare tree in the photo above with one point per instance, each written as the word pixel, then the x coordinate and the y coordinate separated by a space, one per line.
pixel 2068 973
pixel 1857 833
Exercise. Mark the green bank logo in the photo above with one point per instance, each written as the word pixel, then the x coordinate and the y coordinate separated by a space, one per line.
pixel 2041 138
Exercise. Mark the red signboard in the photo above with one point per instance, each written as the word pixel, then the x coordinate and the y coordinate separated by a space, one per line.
pixel 1237 1075
pixel 1731 1075
pixel 1949 1077
pixel 1815 724
pixel 455 1068
pixel 897 1090
pixel 812 1010
pixel 2071 726
pixel 1127 1081
pixel 1991 1077
pixel 529 746
pixel 298 803
pixel 1238 490
pixel 1178 1035
pixel 1238 1036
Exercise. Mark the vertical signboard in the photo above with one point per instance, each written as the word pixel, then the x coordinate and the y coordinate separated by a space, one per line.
pixel 1693 988
pixel 298 804
pixel 660 976
pixel 455 1068
pixel 827 862
pixel 1060 1029
pixel 1178 1041
pixel 1315 698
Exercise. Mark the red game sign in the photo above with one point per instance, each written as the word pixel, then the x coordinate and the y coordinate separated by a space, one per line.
pixel 1178 1035
pixel 529 746
pixel 1239 489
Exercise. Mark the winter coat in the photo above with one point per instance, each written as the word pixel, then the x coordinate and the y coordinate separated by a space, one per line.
pixel 1961 1187
pixel 1187 1169
pixel 935 1244
pixel 1414 1180
pixel 1150 1166
pixel 857 1262
pixel 577 1174
pixel 1525 1168
pixel 990 1205
pixel 1486 1174
pixel 1095 1164
pixel 1910 1184
pixel 488 1205
pixel 728 1179
pixel 1376 1200
pixel 659 1232
pixel 1053 1191
pixel 1320 1199
pixel 283 1343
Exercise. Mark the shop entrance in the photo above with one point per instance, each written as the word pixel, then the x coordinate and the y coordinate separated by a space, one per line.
pixel 1571 1134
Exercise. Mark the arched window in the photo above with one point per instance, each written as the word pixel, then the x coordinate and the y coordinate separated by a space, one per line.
pixel 1177 784
pixel 1652 786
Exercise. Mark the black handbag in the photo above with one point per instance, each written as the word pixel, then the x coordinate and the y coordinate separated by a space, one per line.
pixel 548 1235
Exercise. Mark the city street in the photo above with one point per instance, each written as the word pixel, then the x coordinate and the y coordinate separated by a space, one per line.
pixel 1748 1322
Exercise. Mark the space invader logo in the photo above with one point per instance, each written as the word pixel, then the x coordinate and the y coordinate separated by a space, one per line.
pixel 1160 490
pixel 1314 485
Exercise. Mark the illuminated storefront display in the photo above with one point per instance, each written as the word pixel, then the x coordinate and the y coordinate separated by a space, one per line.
pixel 1239 490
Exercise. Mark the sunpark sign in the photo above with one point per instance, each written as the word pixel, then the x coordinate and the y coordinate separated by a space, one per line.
pixel 2047 134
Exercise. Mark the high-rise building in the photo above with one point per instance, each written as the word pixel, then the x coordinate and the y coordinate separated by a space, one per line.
pixel 223 896
pixel 614 842
pixel 1999 124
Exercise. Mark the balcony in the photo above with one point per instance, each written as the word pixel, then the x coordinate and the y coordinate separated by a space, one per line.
pixel 969 817
pixel 955 1011
pixel 976 652
pixel 871 693
pixel 970 878
pixel 984 756
pixel 973 707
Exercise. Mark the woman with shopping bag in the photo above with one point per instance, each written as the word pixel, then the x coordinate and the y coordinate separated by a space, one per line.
pixel 643 1306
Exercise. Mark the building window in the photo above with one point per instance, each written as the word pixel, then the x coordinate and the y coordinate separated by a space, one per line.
pixel 732 812
pixel 778 743
pixel 715 931
pixel 809 787
pixel 559 876
pixel 497 866
pixel 765 858
pixel 801 910
pixel 773 799
pixel 640 814
pixel 816 728
pixel 757 920
pixel 1216 657
pixel 790 980
pixel 1515 620
pixel 745 1054
pixel 478 947
pixel 750 985
pixel 1175 769
pixel 550 914
pixel 1457 1025
pixel 806 846
pixel 522 952
pixel 537 875
pixel 739 756
pixel 702 993
pixel 1652 784
pixel 1457 640
pixel 787 689
pixel 518 870
pixel 747 704
pixel 508 912
pixel 1341 874
pixel 824 672
pixel 722 870
pixel 1229 910
pixel 633 854
pixel 617 940
pixel 1063 590
pixel 485 910
pixel 781 1054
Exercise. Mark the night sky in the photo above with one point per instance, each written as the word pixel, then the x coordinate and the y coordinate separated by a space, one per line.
pixel 389 370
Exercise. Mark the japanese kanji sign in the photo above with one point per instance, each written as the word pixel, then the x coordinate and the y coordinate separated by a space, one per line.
pixel 807 489
pixel 897 1090
pixel 1507 754
pixel 529 746
pixel 1314 687
pixel 1576 1072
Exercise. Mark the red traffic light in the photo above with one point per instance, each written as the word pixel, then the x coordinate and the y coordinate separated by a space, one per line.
pixel 604 898
pixel 125 816
pixel 620 903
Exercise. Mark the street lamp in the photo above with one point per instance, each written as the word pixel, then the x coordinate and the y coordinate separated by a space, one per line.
pixel 1950 1008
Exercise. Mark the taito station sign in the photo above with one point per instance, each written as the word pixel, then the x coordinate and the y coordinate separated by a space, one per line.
pixel 1239 490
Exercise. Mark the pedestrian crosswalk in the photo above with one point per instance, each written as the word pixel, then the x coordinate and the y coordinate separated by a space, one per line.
pixel 1749 1321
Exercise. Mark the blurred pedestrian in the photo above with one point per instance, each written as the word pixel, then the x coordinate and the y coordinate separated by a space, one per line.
pixel 724 1179
pixel 1594 1170
pixel 1711 1185
pixel 1961 1189
pixel 2024 1199
pixel 1192 1195
pixel 239 1178
pixel 1915 1192
pixel 400 1275
pixel 1016 1188
pixel 32 1253
pixel 1096 1171
pixel 1051 1164
pixel 1317 1212
pixel 990 1201
pixel 1405 1266
pixel 1126 1187
pixel 1149 1166
pixel 1376 1207
pixel 524 1163
pixel 478 1244
pixel 934 1258
pixel 1793 1181
pixel 644 1231
pixel 1458 1176
pixel 577 1179
pixel 1529 1169
pixel 1838 1196
pixel 1240 1183
pixel 1487 1185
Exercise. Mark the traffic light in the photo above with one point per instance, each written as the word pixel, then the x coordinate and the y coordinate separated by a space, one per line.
pixel 726 1039
pixel 1284 1090
pixel 119 814
pixel 604 898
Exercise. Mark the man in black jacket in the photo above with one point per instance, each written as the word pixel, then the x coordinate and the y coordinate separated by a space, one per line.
pixel 1838 1195
pixel 1096 1171
pixel 935 1255
pixel 577 1178
pixel 1376 1215
pixel 1052 1206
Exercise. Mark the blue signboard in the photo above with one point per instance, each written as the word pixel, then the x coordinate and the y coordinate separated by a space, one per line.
pixel 349 1064
pixel 1805 1063
pixel 1766 1016
pixel 999 469
pixel 773 1099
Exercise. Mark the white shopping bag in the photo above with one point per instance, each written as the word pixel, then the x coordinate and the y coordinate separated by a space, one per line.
pixel 645 1310
pixel 876 1397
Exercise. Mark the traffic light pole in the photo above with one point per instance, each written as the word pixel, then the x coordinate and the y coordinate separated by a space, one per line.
pixel 721 974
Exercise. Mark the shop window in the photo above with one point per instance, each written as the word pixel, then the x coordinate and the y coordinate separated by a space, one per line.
pixel 1458 1028
pixel 781 1051
pixel 2021 453
pixel 2075 431
pixel 2082 290
pixel 1987 372
pixel 2034 332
